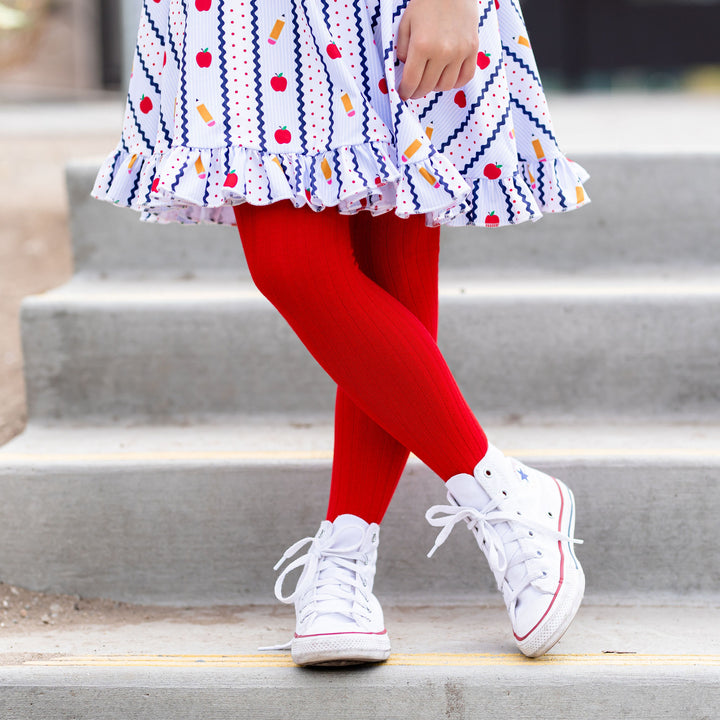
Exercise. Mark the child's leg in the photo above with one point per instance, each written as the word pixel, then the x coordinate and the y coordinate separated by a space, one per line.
pixel 401 256
pixel 376 349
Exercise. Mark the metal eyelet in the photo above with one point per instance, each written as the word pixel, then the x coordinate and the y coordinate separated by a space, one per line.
pixel 531 533
pixel 549 514
pixel 504 492
pixel 539 553
pixel 488 473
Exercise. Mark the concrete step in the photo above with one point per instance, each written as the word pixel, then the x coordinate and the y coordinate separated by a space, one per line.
pixel 649 210
pixel 200 514
pixel 557 346
pixel 614 662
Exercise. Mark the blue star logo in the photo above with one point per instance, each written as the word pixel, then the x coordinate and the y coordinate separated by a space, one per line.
pixel 523 476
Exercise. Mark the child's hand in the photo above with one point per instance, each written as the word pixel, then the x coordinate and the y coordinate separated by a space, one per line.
pixel 438 42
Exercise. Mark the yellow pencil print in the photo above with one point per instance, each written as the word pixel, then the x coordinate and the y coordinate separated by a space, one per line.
pixel 132 162
pixel 430 178
pixel 200 168
pixel 539 152
pixel 411 149
pixel 522 40
pixel 347 104
pixel 429 131
pixel 205 115
pixel 275 32
pixel 327 172
pixel 276 160
pixel 532 178
pixel 580 194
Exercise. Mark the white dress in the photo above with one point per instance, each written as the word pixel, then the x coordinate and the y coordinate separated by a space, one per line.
pixel 234 101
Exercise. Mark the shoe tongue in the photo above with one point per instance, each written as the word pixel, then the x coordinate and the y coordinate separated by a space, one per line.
pixel 348 531
pixel 467 491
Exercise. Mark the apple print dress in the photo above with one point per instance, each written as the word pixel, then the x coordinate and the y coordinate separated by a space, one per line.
pixel 234 101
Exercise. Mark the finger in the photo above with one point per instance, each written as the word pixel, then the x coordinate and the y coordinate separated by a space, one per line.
pixel 433 72
pixel 449 77
pixel 403 38
pixel 467 71
pixel 413 72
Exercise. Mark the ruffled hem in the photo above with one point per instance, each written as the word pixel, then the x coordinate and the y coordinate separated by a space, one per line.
pixel 191 185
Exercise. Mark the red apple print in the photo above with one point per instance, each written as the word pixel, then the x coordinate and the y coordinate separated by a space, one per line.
pixel 497 4
pixel 282 135
pixel 307 195
pixel 231 179
pixel 203 5
pixel 460 100
pixel 363 202
pixel 204 58
pixel 378 181
pixel 164 58
pixel 492 219
pixel 483 59
pixel 278 82
pixel 333 50
pixel 155 185
pixel 492 171
pixel 383 86
pixel 145 104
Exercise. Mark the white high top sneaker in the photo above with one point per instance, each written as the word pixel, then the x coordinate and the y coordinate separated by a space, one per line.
pixel 523 521
pixel 339 620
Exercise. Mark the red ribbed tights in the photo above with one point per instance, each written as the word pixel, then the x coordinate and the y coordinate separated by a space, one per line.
pixel 361 293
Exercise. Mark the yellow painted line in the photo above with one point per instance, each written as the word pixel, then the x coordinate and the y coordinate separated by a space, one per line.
pixel 206 455
pixel 398 659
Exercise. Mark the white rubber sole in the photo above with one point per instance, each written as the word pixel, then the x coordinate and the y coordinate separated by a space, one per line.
pixel 340 649
pixel 567 602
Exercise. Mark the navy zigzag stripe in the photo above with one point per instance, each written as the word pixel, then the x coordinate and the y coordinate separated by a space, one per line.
pixel 255 35
pixel 561 196
pixel 365 72
pixel 523 197
pixel 144 67
pixel 542 127
pixel 173 50
pixel 222 64
pixel 356 168
pixel 478 153
pixel 380 158
pixel 176 182
pixel 152 24
pixel 113 169
pixel 331 86
pixel 134 188
pixel 486 12
pixel 375 18
pixel 440 178
pixel 508 202
pixel 141 132
pixel 296 179
pixel 434 101
pixel 522 64
pixel 184 130
pixel 518 11
pixel 413 190
pixel 475 104
pixel 541 183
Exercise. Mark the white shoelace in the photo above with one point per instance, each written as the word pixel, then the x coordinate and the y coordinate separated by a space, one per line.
pixel 482 524
pixel 327 590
